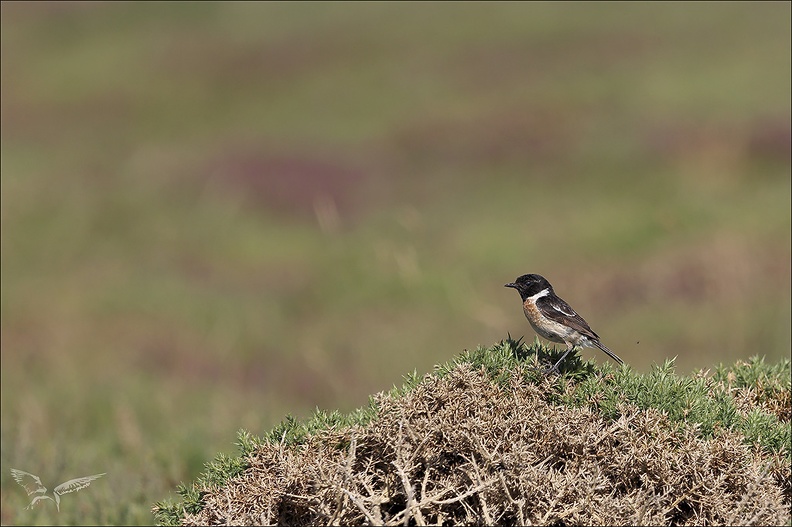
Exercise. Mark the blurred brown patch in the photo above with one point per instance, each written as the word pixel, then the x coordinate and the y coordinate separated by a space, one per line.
pixel 490 140
pixel 763 139
pixel 306 185
pixel 27 120
pixel 197 55
pixel 720 270
pixel 771 139
pixel 491 66
pixel 268 62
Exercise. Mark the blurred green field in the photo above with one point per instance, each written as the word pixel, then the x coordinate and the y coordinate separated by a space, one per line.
pixel 216 214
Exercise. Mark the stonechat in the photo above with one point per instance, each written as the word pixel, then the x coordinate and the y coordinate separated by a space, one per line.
pixel 554 319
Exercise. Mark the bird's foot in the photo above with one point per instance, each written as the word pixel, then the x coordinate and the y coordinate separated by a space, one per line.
pixel 551 369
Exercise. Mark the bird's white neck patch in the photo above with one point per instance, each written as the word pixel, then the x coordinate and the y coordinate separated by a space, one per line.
pixel 540 294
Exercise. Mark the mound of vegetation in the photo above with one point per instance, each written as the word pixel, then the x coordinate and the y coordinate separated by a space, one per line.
pixel 488 439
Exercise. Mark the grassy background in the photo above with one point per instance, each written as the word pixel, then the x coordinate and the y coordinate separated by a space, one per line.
pixel 217 214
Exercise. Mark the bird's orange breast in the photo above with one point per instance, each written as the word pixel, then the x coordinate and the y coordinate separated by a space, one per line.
pixel 549 329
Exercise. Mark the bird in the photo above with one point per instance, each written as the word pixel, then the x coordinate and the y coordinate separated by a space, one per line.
pixel 33 485
pixel 554 319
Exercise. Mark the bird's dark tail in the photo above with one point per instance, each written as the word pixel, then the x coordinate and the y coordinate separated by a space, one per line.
pixel 604 348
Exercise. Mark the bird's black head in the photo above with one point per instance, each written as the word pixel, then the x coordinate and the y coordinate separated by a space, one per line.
pixel 530 284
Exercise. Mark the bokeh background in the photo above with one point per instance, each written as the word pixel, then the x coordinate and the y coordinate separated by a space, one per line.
pixel 217 214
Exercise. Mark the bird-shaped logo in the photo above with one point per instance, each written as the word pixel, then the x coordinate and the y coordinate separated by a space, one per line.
pixel 32 485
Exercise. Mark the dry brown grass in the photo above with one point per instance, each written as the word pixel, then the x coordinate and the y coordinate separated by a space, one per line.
pixel 463 450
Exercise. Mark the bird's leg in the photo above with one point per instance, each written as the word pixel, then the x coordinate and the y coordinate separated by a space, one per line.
pixel 548 371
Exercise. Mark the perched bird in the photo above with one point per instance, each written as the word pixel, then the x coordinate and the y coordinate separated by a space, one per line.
pixel 554 319
pixel 33 485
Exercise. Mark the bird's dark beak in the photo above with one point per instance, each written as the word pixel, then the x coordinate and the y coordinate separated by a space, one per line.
pixel 511 285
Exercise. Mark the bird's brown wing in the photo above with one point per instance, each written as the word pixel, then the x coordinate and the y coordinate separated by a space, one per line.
pixel 559 311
